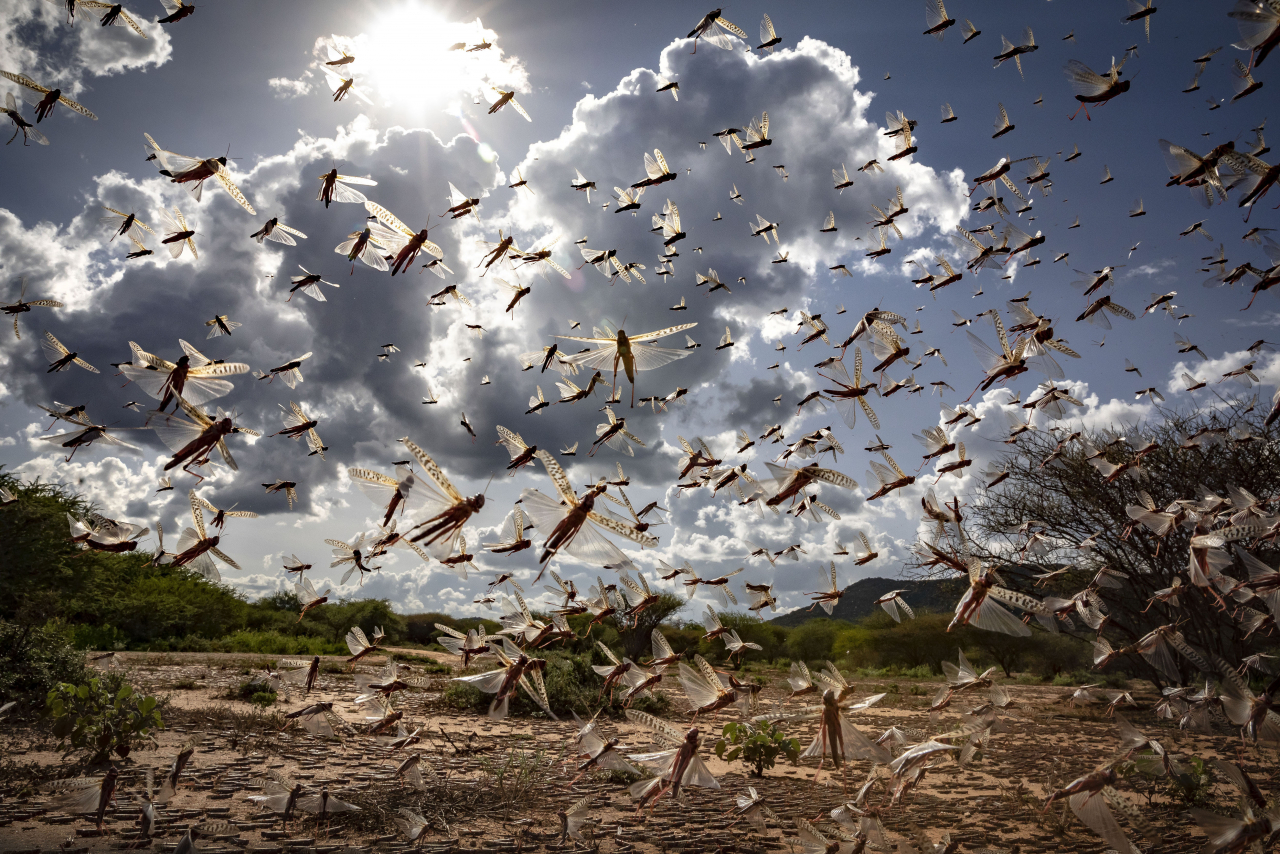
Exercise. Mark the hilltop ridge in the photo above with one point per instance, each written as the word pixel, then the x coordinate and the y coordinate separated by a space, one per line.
pixel 859 600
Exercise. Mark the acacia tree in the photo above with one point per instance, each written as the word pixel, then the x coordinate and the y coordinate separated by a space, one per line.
pixel 635 639
pixel 1203 469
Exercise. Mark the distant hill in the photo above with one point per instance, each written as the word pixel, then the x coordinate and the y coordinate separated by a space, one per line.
pixel 859 600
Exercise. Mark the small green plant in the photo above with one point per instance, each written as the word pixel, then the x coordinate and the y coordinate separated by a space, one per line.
pixel 102 716
pixel 255 691
pixel 1190 780
pixel 1194 786
pixel 757 747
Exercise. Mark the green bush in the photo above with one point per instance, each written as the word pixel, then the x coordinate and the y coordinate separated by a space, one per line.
pixel 572 686
pixel 86 636
pixel 427 665
pixel 1194 785
pixel 773 639
pixel 1055 654
pixel 1190 784
pixel 254 690
pixel 275 643
pixel 812 641
pixel 634 640
pixel 102 716
pixel 119 601
pixel 34 661
pixel 757 747
pixel 421 628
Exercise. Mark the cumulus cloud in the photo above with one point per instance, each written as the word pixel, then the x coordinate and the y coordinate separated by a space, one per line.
pixel 1223 375
pixel 359 398
pixel 819 117
pixel 365 405
pixel 120 487
pixel 37 40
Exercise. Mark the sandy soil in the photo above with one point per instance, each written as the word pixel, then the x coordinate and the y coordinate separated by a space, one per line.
pixel 496 786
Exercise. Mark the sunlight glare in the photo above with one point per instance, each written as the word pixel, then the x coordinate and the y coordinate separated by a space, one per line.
pixel 407 57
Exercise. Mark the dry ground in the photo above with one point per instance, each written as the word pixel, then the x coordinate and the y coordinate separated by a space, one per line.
pixel 496 786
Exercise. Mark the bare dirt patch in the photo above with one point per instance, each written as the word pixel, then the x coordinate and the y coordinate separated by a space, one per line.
pixel 496 786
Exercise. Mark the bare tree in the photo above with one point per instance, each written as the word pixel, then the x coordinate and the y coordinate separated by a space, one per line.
pixel 1066 522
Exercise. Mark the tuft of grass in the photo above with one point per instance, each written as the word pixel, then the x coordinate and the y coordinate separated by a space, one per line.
pixel 517 779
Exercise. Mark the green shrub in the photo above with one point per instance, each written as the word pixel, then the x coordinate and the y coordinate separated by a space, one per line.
pixel 1191 784
pixel 271 643
pixel 254 690
pixel 119 601
pixel 427 665
pixel 1051 655
pixel 922 642
pixel 34 661
pixel 757 747
pixel 572 686
pixel 812 641
pixel 102 716
pixel 1194 786
pixel 88 636
pixel 772 639
pixel 421 628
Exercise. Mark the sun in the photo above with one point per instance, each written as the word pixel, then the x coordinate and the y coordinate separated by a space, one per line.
pixel 411 58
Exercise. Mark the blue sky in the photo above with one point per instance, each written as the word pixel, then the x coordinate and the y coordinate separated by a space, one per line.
pixel 586 73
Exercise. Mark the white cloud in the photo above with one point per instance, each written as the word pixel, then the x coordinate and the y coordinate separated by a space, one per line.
pixel 37 40
pixel 1151 270
pixel 285 88
pixel 1266 367
pixel 365 406
pixel 116 485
